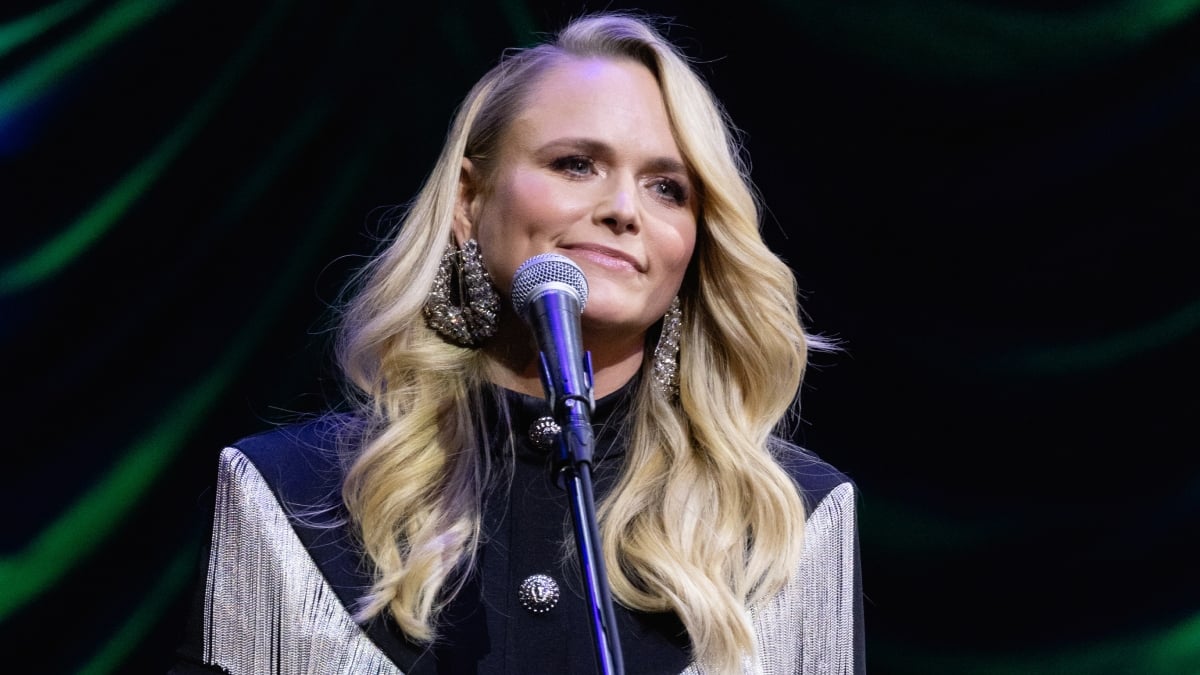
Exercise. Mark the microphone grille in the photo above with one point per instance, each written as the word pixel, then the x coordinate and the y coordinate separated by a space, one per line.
pixel 547 268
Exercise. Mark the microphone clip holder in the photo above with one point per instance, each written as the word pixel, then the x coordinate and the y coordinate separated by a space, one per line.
pixel 573 413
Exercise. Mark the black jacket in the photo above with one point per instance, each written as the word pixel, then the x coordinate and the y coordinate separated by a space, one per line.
pixel 276 588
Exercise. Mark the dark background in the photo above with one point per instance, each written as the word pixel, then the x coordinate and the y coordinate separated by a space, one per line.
pixel 992 204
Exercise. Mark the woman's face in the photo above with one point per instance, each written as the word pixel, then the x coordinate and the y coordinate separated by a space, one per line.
pixel 590 169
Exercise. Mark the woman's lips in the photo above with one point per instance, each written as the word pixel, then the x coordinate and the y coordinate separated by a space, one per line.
pixel 605 257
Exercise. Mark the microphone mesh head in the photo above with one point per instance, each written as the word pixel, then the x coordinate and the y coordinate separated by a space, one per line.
pixel 547 268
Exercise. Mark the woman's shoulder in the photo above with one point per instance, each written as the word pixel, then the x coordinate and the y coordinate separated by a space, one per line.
pixel 315 433
pixel 299 460
pixel 816 477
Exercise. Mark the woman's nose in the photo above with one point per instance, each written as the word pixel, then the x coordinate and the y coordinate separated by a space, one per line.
pixel 617 208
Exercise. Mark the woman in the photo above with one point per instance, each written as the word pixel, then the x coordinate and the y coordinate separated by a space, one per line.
pixel 422 532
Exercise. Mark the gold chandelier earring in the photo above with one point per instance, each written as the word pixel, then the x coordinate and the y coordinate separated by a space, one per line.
pixel 463 304
pixel 666 352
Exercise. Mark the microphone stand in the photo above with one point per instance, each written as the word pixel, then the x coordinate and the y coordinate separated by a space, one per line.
pixel 573 470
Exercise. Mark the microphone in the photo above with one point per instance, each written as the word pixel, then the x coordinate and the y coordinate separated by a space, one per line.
pixel 549 292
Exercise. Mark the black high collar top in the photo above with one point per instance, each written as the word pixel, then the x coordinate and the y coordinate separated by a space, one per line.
pixel 527 530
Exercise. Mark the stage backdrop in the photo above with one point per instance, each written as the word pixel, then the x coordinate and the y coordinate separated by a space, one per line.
pixel 992 204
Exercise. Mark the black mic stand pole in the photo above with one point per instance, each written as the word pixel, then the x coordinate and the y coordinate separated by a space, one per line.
pixel 573 470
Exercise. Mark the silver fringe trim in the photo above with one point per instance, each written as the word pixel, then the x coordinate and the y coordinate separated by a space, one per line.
pixel 808 627
pixel 268 609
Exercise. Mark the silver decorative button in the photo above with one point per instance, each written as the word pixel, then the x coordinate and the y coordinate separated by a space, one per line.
pixel 543 431
pixel 538 593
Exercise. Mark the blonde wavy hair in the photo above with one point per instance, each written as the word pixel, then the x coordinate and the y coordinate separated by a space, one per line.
pixel 703 521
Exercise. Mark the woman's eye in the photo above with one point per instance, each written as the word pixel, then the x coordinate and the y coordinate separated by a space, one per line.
pixel 576 164
pixel 672 190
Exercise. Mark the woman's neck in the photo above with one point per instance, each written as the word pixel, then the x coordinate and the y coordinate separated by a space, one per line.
pixel 513 362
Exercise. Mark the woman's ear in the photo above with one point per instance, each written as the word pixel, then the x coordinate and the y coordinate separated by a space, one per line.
pixel 468 192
